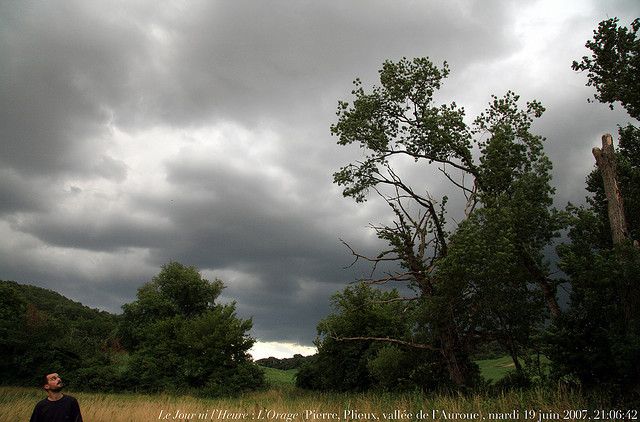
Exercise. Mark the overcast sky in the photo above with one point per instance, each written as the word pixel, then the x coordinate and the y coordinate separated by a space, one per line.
pixel 134 133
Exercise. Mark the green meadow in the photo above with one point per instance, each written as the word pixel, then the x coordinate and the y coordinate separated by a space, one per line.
pixel 491 369
pixel 279 376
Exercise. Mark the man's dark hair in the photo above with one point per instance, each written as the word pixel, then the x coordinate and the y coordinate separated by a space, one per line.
pixel 45 379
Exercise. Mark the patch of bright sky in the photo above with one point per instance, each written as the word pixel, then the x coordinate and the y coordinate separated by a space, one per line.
pixel 540 28
pixel 279 350
pixel 256 153
pixel 546 36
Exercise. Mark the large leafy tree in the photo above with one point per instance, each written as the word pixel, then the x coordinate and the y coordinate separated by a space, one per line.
pixel 499 170
pixel 179 338
pixel 598 340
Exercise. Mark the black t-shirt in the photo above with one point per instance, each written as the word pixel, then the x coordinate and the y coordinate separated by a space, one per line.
pixel 64 410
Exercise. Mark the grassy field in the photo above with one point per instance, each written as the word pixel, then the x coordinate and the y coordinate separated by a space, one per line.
pixel 287 404
pixel 491 369
pixel 495 369
pixel 280 376
pixel 283 402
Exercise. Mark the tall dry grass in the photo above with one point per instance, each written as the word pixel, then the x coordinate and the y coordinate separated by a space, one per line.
pixel 288 404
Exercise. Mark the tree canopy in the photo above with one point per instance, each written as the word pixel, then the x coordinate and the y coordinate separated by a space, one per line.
pixel 180 339
pixel 485 278
pixel 465 278
pixel 614 67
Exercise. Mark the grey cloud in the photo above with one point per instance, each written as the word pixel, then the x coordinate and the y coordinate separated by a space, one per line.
pixel 229 60
pixel 21 194
pixel 68 68
pixel 93 231
pixel 88 212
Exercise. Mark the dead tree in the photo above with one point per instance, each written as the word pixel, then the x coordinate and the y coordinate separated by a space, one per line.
pixel 608 165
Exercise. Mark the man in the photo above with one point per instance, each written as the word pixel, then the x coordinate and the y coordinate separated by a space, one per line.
pixel 57 407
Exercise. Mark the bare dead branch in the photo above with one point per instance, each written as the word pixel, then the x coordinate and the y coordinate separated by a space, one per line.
pixel 390 340
pixel 382 302
pixel 403 277
pixel 461 186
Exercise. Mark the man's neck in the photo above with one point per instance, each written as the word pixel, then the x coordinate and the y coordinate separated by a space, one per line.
pixel 55 396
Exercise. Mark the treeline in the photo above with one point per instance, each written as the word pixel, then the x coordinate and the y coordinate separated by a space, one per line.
pixel 174 337
pixel 286 363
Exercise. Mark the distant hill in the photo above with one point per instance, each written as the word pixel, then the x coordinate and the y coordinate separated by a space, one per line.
pixel 60 307
pixel 42 331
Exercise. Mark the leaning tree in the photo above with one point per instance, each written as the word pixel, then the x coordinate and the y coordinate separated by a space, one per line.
pixel 484 278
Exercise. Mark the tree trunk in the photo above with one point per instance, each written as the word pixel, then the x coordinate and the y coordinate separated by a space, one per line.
pixel 607 163
pixel 540 278
pixel 511 345
pixel 453 351
pixel 458 371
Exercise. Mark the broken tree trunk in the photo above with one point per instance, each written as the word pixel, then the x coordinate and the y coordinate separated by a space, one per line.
pixel 607 163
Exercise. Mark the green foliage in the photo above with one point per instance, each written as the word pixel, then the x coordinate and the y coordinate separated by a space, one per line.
pixel 180 339
pixel 597 342
pixel 42 331
pixel 398 118
pixel 496 254
pixel 309 376
pixel 13 318
pixel 285 364
pixel 614 67
pixel 493 293
pixel 391 369
pixel 485 279
pixel 629 177
pixel 176 291
pixel 360 312
pixel 360 364
pixel 593 342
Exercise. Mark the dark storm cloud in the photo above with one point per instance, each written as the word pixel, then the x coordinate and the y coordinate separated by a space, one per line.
pixel 136 132
pixel 19 194
pixel 233 61
pixel 61 62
